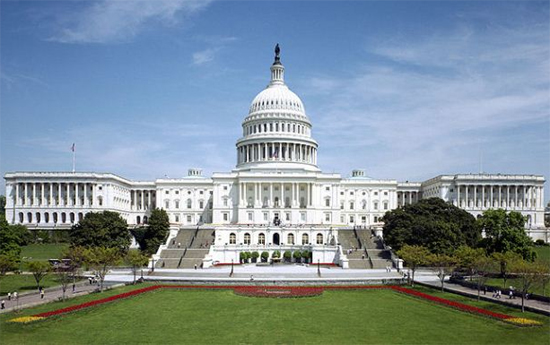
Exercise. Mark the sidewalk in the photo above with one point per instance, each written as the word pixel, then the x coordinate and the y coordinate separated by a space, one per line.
pixel 530 305
pixel 29 299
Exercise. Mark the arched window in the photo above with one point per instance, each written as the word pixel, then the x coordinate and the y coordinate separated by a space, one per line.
pixel 351 205
pixel 80 216
pixel 138 220
pixel 327 202
pixel 46 217
pixel 305 239
pixel 71 216
pixel 145 219
pixel 290 239
pixel 261 238
pixel 63 217
pixel 54 216
pixel 189 203
pixel 319 238
pixel 21 217
pixel 37 217
pixel 29 217
pixel 167 204
pixel 247 238
pixel 364 204
pixel 201 204
pixel 232 238
pixel 177 202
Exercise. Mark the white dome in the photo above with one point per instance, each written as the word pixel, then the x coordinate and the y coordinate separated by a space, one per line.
pixel 277 97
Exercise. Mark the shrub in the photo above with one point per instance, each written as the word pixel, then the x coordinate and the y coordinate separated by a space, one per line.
pixel 276 254
pixel 255 255
pixel 265 255
pixel 287 255
pixel 297 255
pixel 540 242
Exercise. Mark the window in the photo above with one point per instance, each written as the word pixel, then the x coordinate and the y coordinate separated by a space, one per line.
pixel 364 204
pixel 232 238
pixel 167 204
pixel 305 239
pixel 177 204
pixel 327 188
pixel 166 192
pixel 177 218
pixel 385 193
pixel 225 202
pixel 351 219
pixel 247 238
pixel 327 217
pixel 201 192
pixel 250 216
pixel 319 238
pixel 261 238
pixel 303 216
pixel 327 202
pixel 290 239
pixel 363 219
pixel 177 192
pixel 225 217
pixel 351 205
pixel 224 187
pixel 376 206
pixel 201 204
pixel 341 205
pixel 341 193
pixel 375 193
pixel 385 206
pixel 189 203
pixel 350 193
pixel 189 219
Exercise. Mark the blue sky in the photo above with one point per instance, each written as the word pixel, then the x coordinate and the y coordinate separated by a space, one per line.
pixel 405 90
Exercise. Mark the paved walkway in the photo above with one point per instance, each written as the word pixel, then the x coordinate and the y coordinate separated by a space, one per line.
pixel 32 298
pixel 428 278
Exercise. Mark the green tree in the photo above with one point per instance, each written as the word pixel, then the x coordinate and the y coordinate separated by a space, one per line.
pixel 431 223
pixel 64 274
pixel 530 274
pixel 505 232
pixel 466 258
pixel 156 232
pixel 504 260
pixel 444 265
pixel 136 260
pixel 414 256
pixel 101 229
pixel 297 256
pixel 12 237
pixel 265 256
pixel 39 270
pixel 101 259
pixel 484 266
pixel 8 262
pixel 2 204
pixel 287 255
pixel 255 256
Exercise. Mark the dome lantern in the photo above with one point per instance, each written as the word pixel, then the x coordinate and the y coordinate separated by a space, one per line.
pixel 277 69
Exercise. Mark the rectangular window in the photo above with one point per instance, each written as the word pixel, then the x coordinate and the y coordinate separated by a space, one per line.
pixel 189 219
pixel 177 218
pixel 303 216
pixel 327 188
pixel 250 216
pixel 225 217
pixel 327 202
pixel 327 217
pixel 287 217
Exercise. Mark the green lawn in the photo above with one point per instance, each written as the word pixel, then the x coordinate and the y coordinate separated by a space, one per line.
pixel 220 317
pixel 23 282
pixel 543 253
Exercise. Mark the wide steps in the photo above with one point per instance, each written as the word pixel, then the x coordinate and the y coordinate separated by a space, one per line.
pixel 190 263
pixel 204 238
pixel 379 254
pixel 195 253
pixel 347 239
pixel 171 253
pixel 184 238
pixel 359 264
pixel 380 263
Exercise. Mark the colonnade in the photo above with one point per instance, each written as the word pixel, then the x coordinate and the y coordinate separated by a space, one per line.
pixel 298 194
pixel 48 194
pixel 506 196
pixel 283 152
pixel 407 198
pixel 142 199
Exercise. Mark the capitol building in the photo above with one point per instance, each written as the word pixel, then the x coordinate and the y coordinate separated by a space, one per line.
pixel 276 197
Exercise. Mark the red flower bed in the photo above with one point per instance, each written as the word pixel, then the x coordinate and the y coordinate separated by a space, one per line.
pixel 278 292
pixel 283 291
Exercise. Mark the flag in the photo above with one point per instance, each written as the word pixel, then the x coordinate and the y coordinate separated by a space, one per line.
pixel 73 148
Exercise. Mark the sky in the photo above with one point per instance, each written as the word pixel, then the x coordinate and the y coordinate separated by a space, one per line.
pixel 404 90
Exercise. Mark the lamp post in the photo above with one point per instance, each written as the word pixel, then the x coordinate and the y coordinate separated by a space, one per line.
pixel 319 267
pixel 231 274
pixel 152 264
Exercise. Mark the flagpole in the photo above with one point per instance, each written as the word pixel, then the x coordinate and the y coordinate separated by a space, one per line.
pixel 74 161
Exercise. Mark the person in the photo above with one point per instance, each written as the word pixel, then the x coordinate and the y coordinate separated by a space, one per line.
pixel 179 245
pixel 9 296
pixel 41 294
pixel 15 296
pixel 251 277
pixel 90 280
pixel 363 257
pixel 3 304
pixel 484 289
pixel 195 266
pixel 74 287
pixel 499 294
pixel 510 294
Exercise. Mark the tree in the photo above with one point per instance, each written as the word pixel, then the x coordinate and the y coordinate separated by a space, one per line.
pixel 483 266
pixel 64 274
pixel 136 260
pixel 287 255
pixel 444 265
pixel 102 229
pixel 432 223
pixel 306 254
pixel 297 256
pixel 2 204
pixel 530 274
pixel 255 256
pixel 505 232
pixel 504 260
pixel 8 262
pixel 12 237
pixel 414 256
pixel 265 256
pixel 276 254
pixel 101 258
pixel 155 233
pixel 466 258
pixel 39 270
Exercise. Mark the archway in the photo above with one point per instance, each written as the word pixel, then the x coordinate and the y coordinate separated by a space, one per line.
pixel 276 239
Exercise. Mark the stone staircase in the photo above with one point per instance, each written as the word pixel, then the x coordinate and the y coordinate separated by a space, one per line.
pixel 187 249
pixel 369 246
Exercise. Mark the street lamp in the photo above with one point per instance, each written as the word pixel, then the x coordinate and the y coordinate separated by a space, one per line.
pixel 319 267
pixel 231 274
pixel 152 264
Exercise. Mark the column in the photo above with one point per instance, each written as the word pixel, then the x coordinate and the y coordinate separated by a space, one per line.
pixel 270 201
pixel 475 196
pixel 482 197
pixel 458 196
pixel 516 197
pixel 51 195
pixel 76 196
pixel 33 201
pixel 42 195
pixel 68 194
pixel 499 196
pixel 59 199
pixel 507 196
pixel 492 196
pixel 467 201
pixel 17 196
pixel 280 154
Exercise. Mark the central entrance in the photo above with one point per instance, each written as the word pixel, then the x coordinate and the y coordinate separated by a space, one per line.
pixel 276 239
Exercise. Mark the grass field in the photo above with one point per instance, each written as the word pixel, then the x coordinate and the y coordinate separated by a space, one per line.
pixel 543 254
pixel 336 317
pixel 24 282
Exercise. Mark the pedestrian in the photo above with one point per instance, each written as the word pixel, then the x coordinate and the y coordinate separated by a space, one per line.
pixel 195 266
pixel 9 296
pixel 251 277
pixel 510 294
pixel 41 294
pixel 363 257
pixel 499 294
pixel 15 296
pixel 90 280
pixel 484 289
pixel 3 304
pixel 179 245
pixel 74 287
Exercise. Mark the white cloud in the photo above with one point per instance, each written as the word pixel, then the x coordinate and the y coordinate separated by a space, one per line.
pixel 204 56
pixel 433 102
pixel 119 20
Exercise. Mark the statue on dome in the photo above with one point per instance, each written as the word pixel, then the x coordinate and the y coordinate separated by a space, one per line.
pixel 277 54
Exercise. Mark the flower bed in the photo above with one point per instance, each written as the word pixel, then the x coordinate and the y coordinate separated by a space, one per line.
pixel 287 292
pixel 278 292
